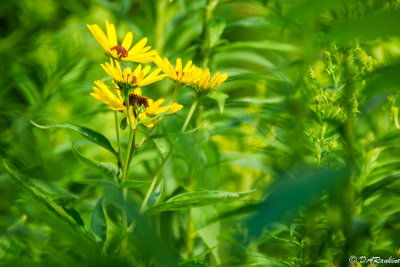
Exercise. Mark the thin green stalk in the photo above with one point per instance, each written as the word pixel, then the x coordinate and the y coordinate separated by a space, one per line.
pixel 177 86
pixel 347 190
pixel 190 114
pixel 155 179
pixel 120 165
pixel 131 142
pixel 157 175
pixel 150 190
pixel 395 112
pixel 190 225
pixel 154 182
pixel 124 241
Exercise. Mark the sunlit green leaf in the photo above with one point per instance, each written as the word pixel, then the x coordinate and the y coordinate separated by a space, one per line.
pixel 198 199
pixel 134 183
pixel 220 97
pixel 91 135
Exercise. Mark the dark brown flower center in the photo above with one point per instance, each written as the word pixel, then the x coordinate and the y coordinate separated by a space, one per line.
pixel 137 100
pixel 120 50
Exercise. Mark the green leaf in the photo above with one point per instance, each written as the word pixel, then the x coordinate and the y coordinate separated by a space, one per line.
pixel 383 80
pixel 220 98
pixel 291 194
pixel 89 134
pixel 155 196
pixel 93 182
pixel 257 101
pixel 196 259
pixel 263 45
pixel 133 183
pixel 123 124
pixel 60 207
pixel 252 22
pixel 246 58
pixel 9 239
pixel 216 29
pixel 107 169
pixel 98 222
pixel 209 233
pixel 162 145
pixel 198 199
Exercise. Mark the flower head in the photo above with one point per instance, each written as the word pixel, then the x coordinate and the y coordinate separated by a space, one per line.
pixel 128 78
pixel 103 94
pixel 125 51
pixel 141 107
pixel 189 74
pixel 205 84
pixel 154 108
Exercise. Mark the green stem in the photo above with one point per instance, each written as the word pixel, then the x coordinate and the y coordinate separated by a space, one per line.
pixel 190 114
pixel 177 86
pixel 155 179
pixel 131 142
pixel 395 111
pixel 154 182
pixel 190 225
pixel 120 165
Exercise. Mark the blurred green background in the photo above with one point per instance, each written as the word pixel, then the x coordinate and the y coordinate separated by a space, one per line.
pixel 307 142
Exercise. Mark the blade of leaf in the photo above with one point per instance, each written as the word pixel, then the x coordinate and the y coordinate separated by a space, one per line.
pixel 220 97
pixel 107 169
pixel 133 183
pixel 210 233
pixel 98 222
pixel 155 196
pixel 198 199
pixel 62 208
pixel 89 134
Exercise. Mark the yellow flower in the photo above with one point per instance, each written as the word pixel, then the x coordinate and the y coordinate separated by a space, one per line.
pixel 127 78
pixel 189 74
pixel 141 107
pixel 204 82
pixel 138 53
pixel 103 94
pixel 154 109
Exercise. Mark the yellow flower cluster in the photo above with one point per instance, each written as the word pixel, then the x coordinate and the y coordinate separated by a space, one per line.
pixel 191 75
pixel 141 108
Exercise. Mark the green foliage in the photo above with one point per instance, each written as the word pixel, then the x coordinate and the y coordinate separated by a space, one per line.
pixel 293 161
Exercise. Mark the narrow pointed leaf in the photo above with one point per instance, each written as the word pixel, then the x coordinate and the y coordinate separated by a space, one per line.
pixel 107 169
pixel 60 207
pixel 134 183
pixel 198 199
pixel 89 134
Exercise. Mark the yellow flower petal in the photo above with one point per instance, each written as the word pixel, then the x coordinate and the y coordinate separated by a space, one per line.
pixel 111 34
pixel 127 42
pixel 99 35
